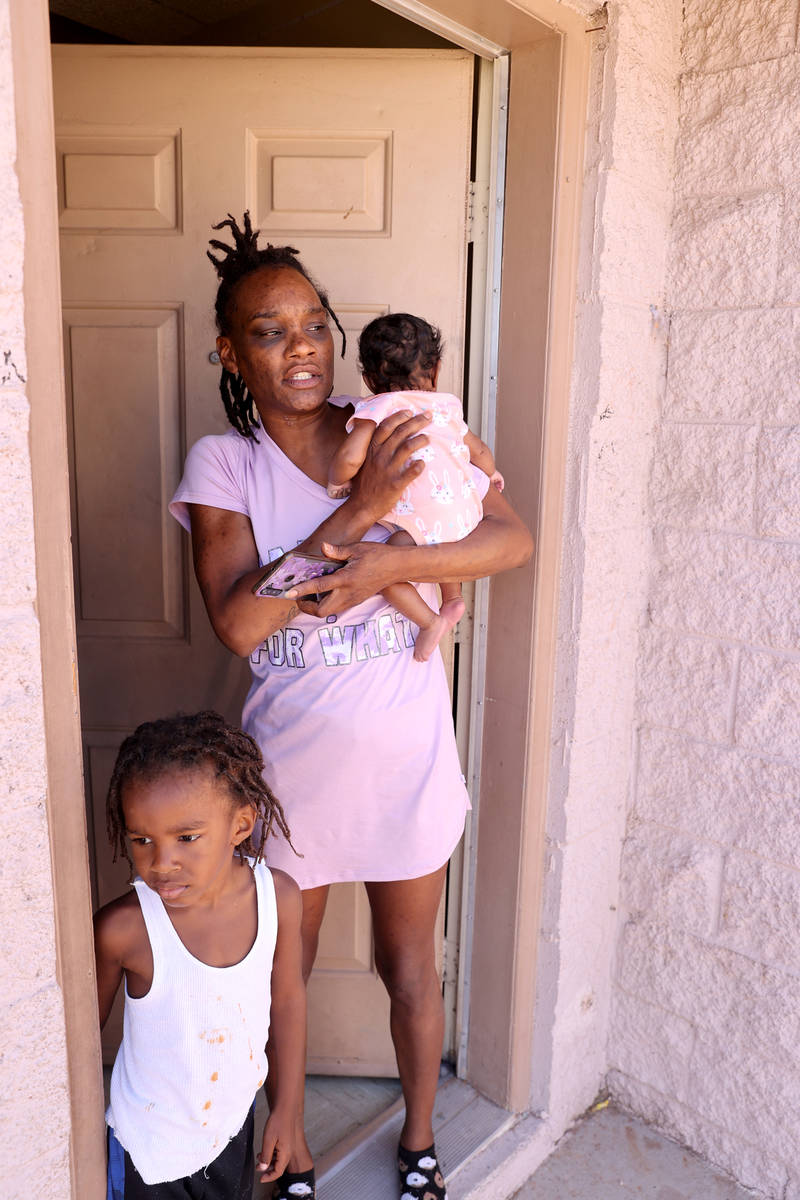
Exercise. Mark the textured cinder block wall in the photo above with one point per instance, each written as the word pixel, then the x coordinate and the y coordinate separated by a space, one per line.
pixel 620 358
pixel 34 1104
pixel 705 1040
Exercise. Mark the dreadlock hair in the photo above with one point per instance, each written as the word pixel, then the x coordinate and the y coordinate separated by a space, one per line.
pixel 200 741
pixel 396 350
pixel 237 262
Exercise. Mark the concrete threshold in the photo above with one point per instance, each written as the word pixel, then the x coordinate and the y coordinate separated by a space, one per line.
pixel 465 1123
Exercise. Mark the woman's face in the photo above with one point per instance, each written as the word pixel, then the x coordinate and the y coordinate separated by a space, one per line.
pixel 279 342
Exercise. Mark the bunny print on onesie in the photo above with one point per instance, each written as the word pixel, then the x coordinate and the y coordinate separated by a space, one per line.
pixel 442 504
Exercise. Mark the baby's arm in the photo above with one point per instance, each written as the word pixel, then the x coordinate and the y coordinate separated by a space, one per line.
pixel 121 946
pixel 349 458
pixel 481 456
pixel 287 1031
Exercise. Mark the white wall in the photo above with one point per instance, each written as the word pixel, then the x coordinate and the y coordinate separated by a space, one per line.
pixel 620 361
pixel 34 1104
pixel 705 1039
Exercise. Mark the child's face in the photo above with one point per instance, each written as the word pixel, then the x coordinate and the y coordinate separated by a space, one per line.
pixel 183 829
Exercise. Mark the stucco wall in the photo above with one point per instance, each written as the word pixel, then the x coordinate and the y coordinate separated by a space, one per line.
pixel 620 357
pixel 705 1038
pixel 34 1106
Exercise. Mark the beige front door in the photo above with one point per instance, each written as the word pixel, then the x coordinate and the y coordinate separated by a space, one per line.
pixel 359 159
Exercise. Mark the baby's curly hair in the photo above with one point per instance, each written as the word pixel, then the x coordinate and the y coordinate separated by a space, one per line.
pixel 397 351
pixel 201 740
pixel 237 262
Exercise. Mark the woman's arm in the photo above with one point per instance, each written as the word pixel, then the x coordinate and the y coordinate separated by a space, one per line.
pixel 499 542
pixel 225 555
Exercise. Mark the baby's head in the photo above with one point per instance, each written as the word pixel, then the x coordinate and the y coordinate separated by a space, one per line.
pixel 400 353
pixel 201 743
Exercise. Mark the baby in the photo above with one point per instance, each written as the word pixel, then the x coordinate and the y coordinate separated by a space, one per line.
pixel 400 360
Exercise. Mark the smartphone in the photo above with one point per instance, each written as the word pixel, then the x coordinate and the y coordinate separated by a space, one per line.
pixel 294 568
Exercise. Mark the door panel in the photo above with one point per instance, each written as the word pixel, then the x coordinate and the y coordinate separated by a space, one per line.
pixel 360 160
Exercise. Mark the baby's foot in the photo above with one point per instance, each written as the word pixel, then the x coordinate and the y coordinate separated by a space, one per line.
pixel 428 638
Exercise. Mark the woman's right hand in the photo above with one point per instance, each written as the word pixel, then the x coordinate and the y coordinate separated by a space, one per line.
pixel 388 467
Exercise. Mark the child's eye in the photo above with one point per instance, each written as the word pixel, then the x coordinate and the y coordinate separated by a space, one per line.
pixel 140 841
pixel 188 837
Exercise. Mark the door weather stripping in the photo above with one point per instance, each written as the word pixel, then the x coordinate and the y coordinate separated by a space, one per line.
pixel 428 18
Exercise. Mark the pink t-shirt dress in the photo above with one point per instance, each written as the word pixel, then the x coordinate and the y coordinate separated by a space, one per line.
pixel 357 737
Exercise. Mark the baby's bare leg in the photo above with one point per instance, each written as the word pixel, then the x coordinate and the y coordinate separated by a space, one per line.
pixel 407 600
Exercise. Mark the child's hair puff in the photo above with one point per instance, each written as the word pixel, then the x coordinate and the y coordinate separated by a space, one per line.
pixel 397 351
pixel 237 262
pixel 202 740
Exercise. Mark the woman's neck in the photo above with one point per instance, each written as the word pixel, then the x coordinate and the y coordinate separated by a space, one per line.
pixel 309 439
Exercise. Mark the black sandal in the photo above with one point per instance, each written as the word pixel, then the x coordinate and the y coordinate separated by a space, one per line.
pixel 420 1174
pixel 299 1185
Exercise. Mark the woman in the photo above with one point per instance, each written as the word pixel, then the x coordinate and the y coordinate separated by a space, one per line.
pixel 357 736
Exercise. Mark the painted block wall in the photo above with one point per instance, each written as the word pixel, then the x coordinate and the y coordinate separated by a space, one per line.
pixel 34 1103
pixel 705 1035
pixel 620 363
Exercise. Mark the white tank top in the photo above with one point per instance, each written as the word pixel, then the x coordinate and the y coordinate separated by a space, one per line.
pixel 192 1054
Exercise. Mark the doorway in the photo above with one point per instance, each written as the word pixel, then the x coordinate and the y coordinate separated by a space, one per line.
pixel 547 110
pixel 152 145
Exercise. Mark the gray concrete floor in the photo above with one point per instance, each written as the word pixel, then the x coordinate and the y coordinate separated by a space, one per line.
pixel 614 1156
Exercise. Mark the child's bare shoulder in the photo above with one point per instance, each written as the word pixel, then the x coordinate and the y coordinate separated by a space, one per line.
pixel 119 927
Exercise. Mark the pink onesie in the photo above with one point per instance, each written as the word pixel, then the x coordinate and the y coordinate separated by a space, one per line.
pixel 442 504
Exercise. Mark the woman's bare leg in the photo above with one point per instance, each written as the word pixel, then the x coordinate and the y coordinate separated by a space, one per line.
pixel 404 920
pixel 314 901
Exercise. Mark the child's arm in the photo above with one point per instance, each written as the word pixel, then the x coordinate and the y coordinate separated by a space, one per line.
pixel 121 944
pixel 481 456
pixel 287 1031
pixel 349 458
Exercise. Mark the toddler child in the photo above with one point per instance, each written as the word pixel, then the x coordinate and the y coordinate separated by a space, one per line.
pixel 208 944
pixel 400 360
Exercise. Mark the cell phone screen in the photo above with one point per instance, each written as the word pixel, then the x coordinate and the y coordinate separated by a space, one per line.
pixel 291 570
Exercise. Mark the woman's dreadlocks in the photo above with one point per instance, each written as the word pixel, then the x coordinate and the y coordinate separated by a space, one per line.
pixel 238 261
pixel 202 740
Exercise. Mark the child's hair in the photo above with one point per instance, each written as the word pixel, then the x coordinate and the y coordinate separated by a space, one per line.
pixel 200 740
pixel 394 350
pixel 238 261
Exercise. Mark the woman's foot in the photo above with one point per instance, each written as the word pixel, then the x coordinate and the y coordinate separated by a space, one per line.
pixel 295 1185
pixel 428 638
pixel 420 1175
